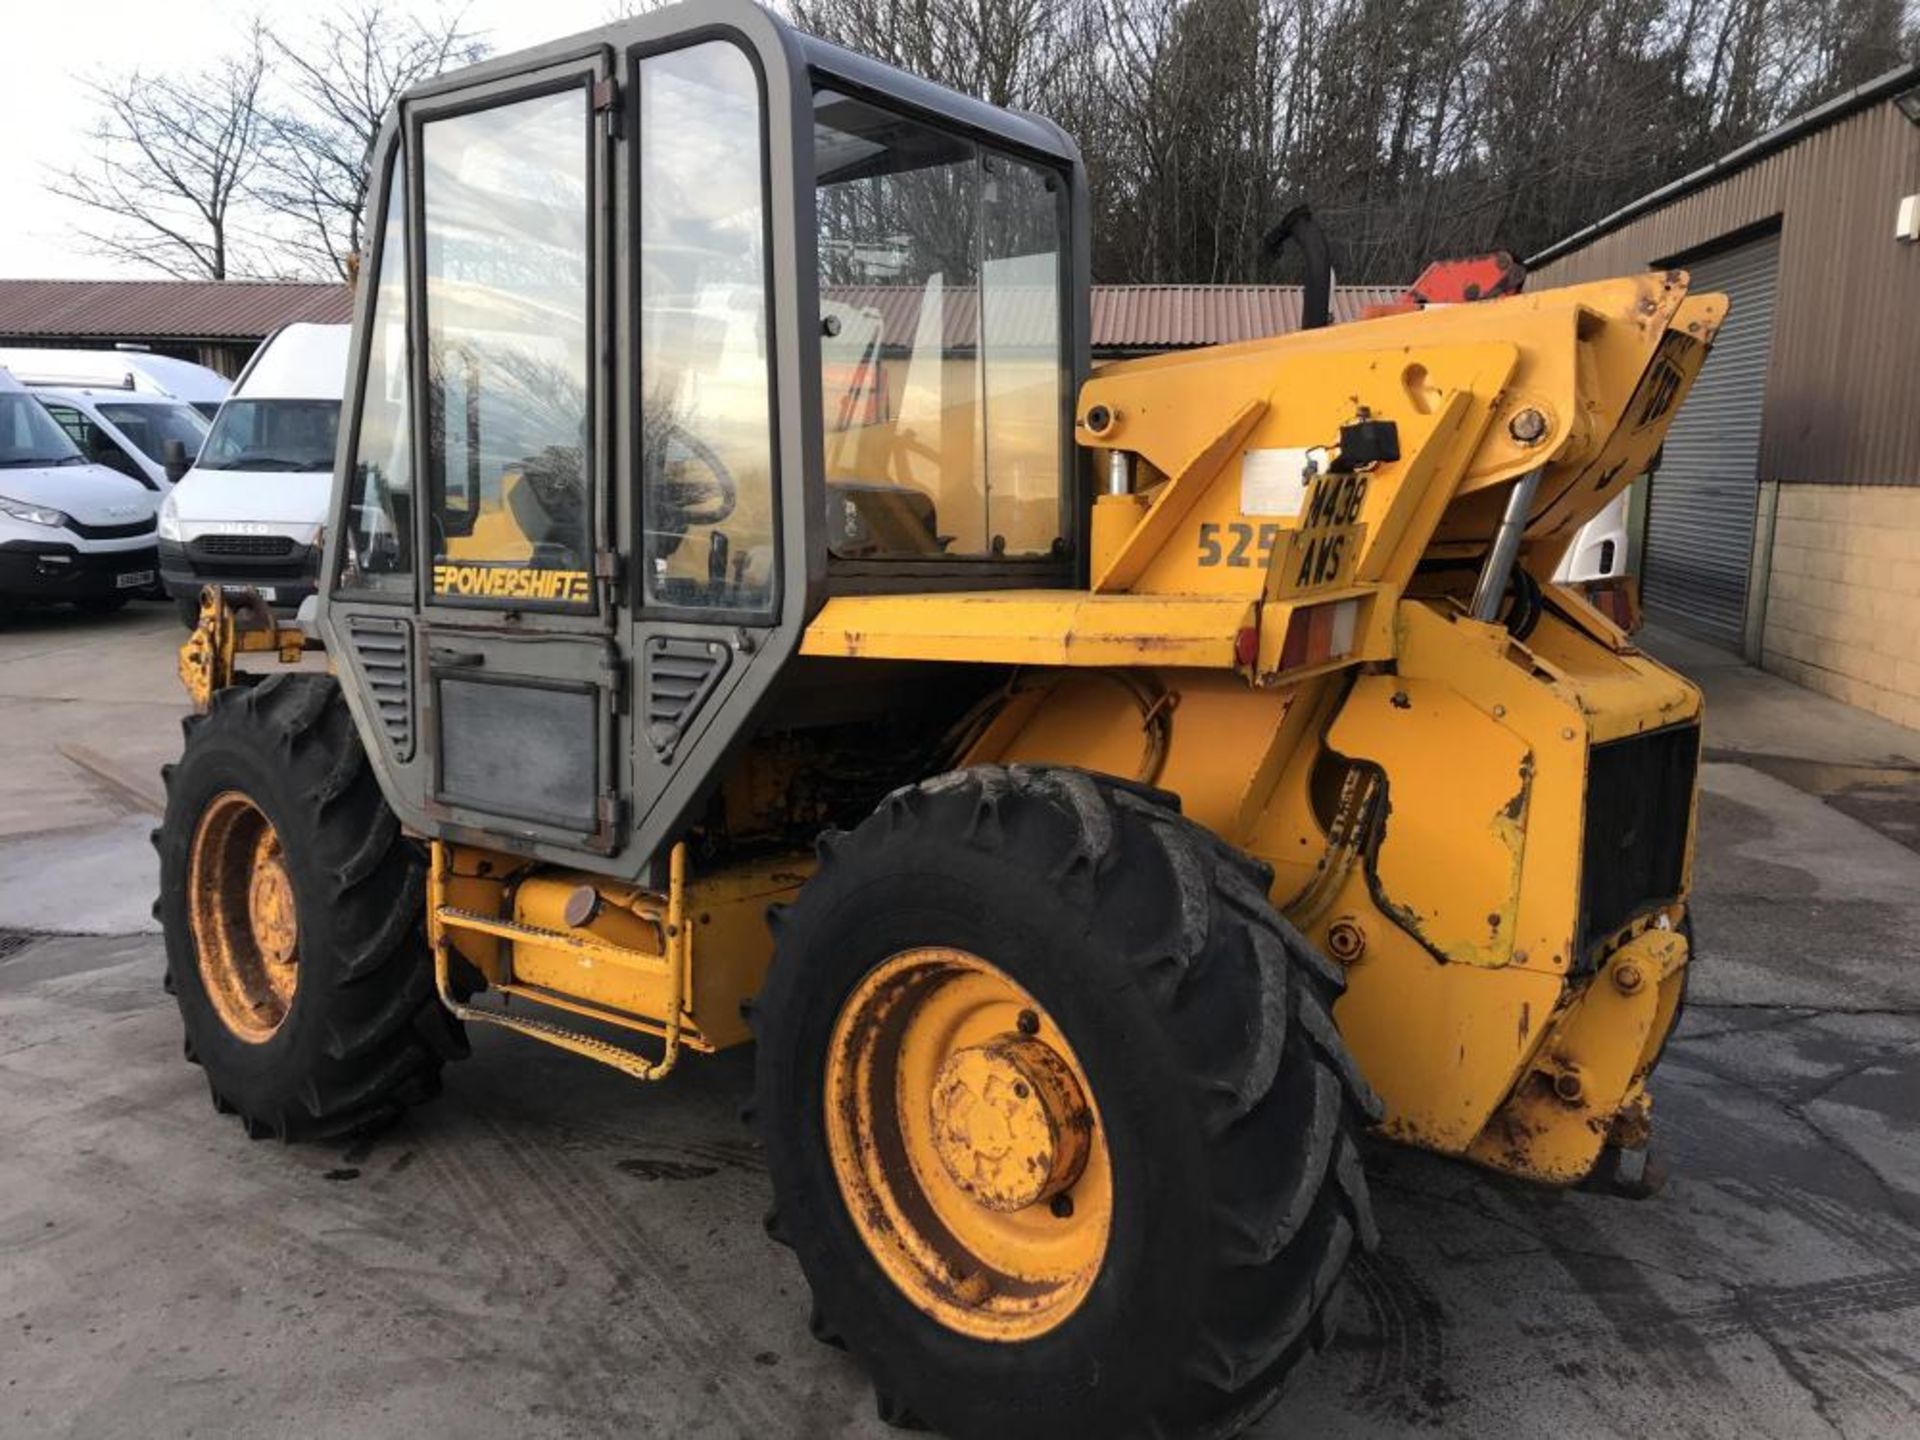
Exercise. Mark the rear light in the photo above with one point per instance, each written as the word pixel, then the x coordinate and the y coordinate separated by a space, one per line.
pixel 1319 633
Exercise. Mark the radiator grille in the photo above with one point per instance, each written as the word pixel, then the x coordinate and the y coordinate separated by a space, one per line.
pixel 1639 809
pixel 385 651
pixel 263 546
pixel 114 532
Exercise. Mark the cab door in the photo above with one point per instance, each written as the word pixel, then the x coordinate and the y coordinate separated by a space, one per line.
pixel 524 689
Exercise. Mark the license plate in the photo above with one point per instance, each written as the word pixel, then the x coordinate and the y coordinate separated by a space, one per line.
pixel 133 580
pixel 265 592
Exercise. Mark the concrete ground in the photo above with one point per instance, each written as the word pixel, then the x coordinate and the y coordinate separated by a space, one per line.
pixel 551 1250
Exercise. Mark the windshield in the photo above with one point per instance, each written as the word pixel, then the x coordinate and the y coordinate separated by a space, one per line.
pixel 151 426
pixel 272 435
pixel 30 436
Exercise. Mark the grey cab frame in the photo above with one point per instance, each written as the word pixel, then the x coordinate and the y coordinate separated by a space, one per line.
pixel 653 756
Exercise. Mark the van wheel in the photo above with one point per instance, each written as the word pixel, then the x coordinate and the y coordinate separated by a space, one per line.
pixel 294 911
pixel 1058 1121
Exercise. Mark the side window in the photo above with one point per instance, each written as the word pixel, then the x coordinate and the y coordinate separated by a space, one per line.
pixel 507 359
pixel 1022 357
pixel 941 350
pixel 706 432
pixel 379 550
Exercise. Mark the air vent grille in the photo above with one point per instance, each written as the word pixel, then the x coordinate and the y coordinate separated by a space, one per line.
pixel 385 651
pixel 681 674
pixel 252 546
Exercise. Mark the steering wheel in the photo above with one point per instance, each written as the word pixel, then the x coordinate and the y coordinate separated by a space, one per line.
pixel 680 501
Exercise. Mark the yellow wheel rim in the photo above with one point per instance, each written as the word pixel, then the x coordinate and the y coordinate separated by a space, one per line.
pixel 967 1145
pixel 240 907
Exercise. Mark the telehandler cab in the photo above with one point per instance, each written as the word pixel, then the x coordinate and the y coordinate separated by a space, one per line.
pixel 1103 794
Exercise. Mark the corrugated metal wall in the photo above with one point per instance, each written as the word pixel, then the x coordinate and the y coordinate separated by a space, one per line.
pixel 1700 503
pixel 1841 387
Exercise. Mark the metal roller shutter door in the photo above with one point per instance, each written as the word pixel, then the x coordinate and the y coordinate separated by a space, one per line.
pixel 1700 504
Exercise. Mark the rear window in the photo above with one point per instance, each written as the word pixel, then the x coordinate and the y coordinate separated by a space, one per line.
pixel 272 435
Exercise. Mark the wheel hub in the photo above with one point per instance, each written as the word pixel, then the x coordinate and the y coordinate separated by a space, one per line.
pixel 270 908
pixel 1009 1123
pixel 240 907
pixel 966 1141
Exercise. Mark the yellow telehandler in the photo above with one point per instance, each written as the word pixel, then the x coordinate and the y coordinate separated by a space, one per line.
pixel 1105 795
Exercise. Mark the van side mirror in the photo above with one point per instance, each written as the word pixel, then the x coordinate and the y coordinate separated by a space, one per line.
pixel 173 459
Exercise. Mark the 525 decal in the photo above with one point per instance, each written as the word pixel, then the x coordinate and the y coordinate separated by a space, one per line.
pixel 1237 544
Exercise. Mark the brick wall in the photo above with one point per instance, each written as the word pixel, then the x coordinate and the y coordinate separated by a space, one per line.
pixel 1843 598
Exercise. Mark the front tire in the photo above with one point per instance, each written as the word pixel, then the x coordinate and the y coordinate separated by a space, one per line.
pixel 293 909
pixel 971 918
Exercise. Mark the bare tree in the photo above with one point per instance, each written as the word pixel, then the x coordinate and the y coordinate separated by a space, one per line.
pixel 341 83
pixel 172 159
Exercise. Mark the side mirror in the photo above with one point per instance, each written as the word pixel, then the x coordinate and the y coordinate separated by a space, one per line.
pixel 173 459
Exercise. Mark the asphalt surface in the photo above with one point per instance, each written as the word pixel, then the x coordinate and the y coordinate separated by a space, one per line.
pixel 551 1250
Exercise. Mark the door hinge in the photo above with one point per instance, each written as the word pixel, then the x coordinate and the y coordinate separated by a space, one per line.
pixel 610 571
pixel 606 103
pixel 611 812
pixel 615 669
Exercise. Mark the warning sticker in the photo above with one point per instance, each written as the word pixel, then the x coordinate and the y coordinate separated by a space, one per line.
pixel 1273 482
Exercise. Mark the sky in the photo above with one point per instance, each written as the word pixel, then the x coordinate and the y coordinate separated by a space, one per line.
pixel 44 114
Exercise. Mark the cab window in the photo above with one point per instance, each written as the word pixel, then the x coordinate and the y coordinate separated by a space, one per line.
pixel 941 339
pixel 379 533
pixel 92 441
pixel 507 361
pixel 150 426
pixel 705 428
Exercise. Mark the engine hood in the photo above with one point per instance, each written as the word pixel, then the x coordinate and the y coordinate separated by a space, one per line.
pixel 91 494
pixel 282 502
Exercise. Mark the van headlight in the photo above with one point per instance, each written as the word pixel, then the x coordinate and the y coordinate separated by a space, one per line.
pixel 169 521
pixel 35 514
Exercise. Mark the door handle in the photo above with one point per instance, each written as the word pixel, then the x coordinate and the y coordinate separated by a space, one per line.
pixel 443 658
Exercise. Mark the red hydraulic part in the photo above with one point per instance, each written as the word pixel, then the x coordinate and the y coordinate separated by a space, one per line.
pixel 1455 282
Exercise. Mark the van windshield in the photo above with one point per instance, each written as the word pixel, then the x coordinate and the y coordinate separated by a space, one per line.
pixel 272 435
pixel 30 436
pixel 151 426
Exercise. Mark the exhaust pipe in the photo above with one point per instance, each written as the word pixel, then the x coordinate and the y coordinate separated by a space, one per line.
pixel 1299 226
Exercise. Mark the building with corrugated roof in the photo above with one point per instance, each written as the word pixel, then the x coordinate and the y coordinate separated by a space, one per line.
pixel 1783 520
pixel 218 324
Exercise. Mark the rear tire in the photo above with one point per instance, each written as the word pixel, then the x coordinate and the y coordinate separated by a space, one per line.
pixel 363 1034
pixel 1225 1100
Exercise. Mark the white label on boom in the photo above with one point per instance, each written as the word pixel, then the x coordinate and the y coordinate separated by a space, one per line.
pixel 1274 482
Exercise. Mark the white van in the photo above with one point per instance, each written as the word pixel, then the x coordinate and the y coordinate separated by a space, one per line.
pixel 70 531
pixel 124 367
pixel 1599 551
pixel 252 510
pixel 152 438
